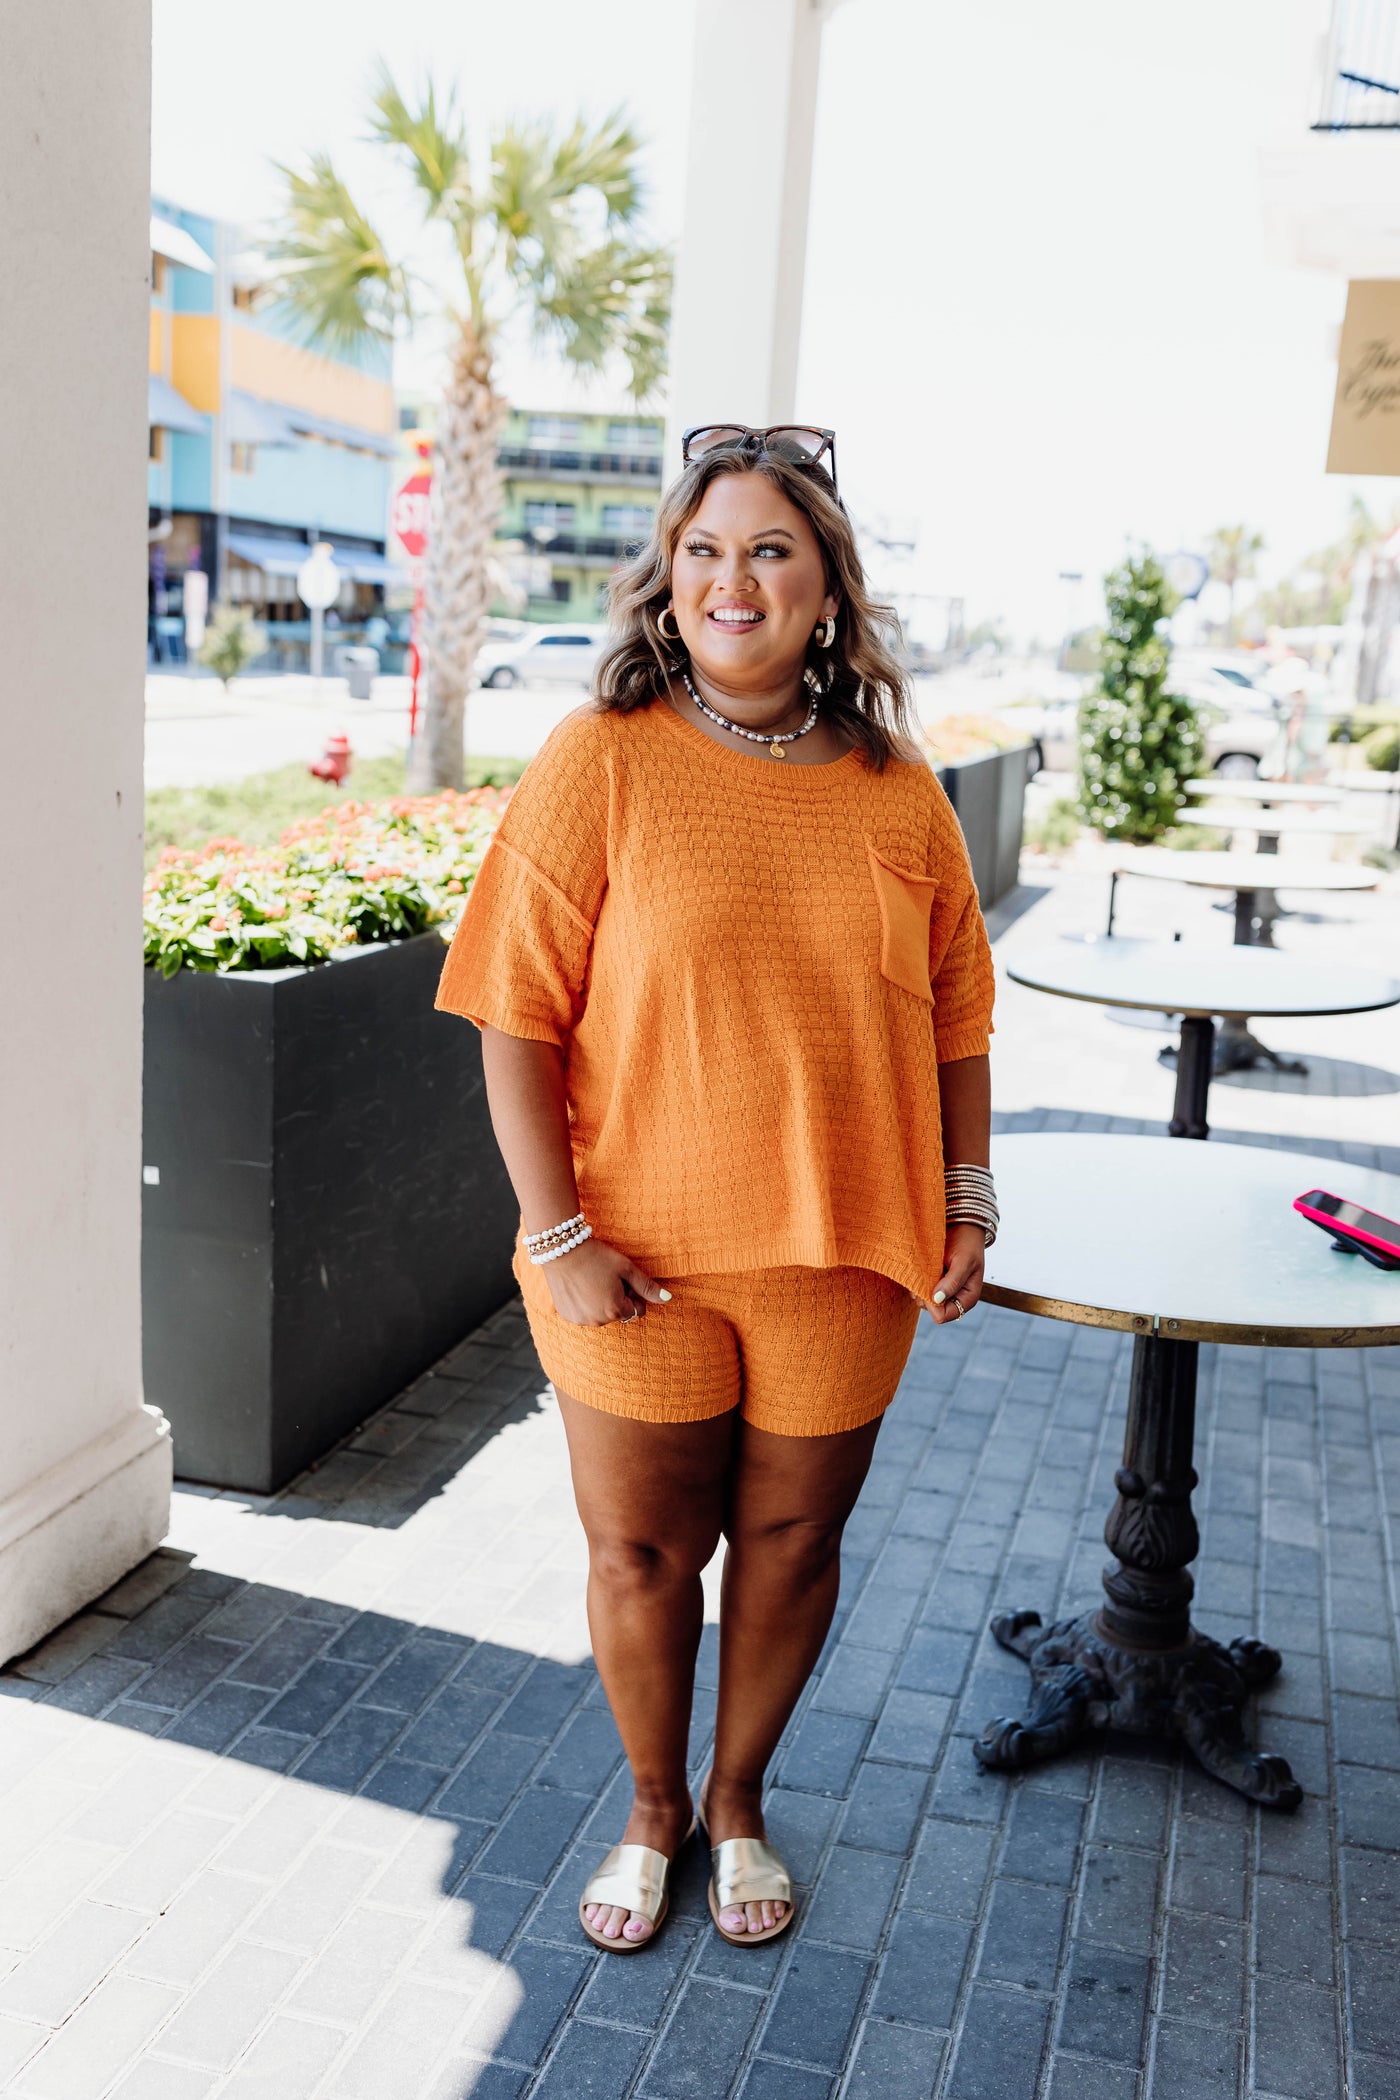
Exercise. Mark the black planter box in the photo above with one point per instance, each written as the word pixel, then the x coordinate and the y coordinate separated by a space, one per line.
pixel 989 795
pixel 331 1212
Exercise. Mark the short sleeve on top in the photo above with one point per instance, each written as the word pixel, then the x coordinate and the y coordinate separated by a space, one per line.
pixel 519 959
pixel 960 956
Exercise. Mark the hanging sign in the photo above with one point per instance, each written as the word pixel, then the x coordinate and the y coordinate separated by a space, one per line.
pixel 1366 411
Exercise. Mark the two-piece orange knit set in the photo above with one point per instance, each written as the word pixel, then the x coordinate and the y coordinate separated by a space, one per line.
pixel 754 971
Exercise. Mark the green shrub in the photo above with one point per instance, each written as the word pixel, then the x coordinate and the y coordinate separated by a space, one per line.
pixel 1382 749
pixel 1139 744
pixel 1056 829
pixel 231 641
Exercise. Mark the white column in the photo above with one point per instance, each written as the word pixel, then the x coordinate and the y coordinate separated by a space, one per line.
pixel 84 1466
pixel 743 248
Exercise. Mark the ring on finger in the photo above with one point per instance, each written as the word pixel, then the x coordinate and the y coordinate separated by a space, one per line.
pixel 626 1319
pixel 959 1304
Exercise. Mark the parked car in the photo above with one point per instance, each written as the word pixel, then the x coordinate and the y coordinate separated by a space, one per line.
pixel 542 655
pixel 1239 720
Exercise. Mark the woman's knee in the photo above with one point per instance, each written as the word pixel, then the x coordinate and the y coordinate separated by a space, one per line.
pixel 632 1566
pixel 803 1548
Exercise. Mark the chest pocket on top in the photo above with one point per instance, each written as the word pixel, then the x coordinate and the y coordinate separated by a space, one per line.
pixel 905 900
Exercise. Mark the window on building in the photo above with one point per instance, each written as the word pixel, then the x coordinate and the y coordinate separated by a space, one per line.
pixel 159 267
pixel 552 430
pixel 408 417
pixel 627 521
pixel 633 437
pixel 247 298
pixel 548 517
pixel 156 451
pixel 558 593
pixel 243 458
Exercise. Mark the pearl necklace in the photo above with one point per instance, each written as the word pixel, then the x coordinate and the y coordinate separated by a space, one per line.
pixel 755 736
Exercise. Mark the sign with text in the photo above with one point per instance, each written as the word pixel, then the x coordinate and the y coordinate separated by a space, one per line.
pixel 1366 412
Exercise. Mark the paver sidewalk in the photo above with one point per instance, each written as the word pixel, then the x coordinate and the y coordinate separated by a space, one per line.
pixel 303 1807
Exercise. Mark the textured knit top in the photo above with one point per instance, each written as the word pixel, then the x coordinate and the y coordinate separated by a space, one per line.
pixel 753 970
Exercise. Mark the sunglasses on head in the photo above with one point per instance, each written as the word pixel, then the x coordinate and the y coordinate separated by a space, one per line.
pixel 800 444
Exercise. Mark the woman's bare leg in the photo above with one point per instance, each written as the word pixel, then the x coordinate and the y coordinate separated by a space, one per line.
pixel 789 1500
pixel 651 1498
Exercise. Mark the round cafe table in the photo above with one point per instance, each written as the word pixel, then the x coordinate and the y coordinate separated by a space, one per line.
pixel 1272 794
pixel 1255 878
pixel 1270 825
pixel 1199 983
pixel 1175 1245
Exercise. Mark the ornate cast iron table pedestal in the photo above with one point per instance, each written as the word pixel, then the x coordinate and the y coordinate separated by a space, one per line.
pixel 1098 1230
pixel 1137 1662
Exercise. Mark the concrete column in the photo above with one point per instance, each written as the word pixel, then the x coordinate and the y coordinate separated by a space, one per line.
pixel 84 1466
pixel 743 249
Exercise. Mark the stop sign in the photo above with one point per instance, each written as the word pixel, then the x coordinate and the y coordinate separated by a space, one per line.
pixel 410 514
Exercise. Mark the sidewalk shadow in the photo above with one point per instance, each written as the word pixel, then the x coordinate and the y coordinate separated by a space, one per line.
pixel 1336 1076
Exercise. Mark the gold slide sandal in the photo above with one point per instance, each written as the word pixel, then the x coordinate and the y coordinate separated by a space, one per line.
pixel 748 1870
pixel 636 1878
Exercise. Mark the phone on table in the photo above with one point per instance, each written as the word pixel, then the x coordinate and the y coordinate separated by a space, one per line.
pixel 1354 1229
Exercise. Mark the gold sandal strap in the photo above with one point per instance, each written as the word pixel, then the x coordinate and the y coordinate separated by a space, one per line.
pixel 747 1870
pixel 634 1878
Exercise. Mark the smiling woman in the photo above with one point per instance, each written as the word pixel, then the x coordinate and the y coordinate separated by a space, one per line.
pixel 727 957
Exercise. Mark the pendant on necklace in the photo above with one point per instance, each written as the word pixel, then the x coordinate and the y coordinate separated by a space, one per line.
pixel 777 751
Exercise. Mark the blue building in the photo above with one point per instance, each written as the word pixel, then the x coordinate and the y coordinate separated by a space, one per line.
pixel 260 445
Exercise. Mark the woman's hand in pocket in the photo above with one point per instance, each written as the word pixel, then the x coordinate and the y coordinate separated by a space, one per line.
pixel 595 1284
pixel 964 1257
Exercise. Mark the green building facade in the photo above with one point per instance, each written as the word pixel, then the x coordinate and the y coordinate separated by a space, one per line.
pixel 580 493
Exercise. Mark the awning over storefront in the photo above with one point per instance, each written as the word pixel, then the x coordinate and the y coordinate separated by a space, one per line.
pixel 167 408
pixel 177 246
pixel 254 422
pixel 341 433
pixel 363 567
pixel 273 557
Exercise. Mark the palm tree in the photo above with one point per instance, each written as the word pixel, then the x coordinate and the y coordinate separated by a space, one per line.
pixel 550 232
pixel 1230 550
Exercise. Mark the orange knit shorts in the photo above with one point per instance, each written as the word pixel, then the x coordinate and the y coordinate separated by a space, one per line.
pixel 800 1352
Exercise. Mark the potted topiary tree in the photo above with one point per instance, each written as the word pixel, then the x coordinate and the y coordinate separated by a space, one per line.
pixel 1139 743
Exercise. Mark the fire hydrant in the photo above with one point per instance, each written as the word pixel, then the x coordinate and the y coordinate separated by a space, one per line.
pixel 335 763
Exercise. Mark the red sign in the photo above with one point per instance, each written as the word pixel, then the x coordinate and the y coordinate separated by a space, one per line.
pixel 410 514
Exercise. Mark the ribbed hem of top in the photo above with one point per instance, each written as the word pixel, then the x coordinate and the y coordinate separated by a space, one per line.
pixel 800 1251
pixel 974 1039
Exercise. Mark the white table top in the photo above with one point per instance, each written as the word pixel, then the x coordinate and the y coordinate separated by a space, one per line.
pixel 1188 1239
pixel 1247 871
pixel 1368 782
pixel 1279 791
pixel 1176 978
pixel 1315 823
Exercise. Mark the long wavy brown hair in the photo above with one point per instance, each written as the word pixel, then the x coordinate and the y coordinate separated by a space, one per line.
pixel 861 683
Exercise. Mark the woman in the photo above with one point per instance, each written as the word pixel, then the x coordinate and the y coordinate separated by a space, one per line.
pixel 735 995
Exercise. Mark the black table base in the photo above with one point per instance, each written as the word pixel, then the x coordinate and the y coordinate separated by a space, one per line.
pixel 1137 1663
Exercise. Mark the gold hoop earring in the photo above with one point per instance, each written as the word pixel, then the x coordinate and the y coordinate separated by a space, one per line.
pixel 826 634
pixel 661 625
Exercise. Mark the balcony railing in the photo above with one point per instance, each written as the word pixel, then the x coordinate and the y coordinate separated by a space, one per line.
pixel 611 466
pixel 1360 87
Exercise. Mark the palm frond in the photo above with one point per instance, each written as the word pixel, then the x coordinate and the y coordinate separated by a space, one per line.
pixel 330 267
pixel 541 182
pixel 615 298
pixel 432 140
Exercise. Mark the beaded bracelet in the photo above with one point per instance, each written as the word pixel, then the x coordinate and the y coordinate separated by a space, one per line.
pixel 553 1232
pixel 585 1232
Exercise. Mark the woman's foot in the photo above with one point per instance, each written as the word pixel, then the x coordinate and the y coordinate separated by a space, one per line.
pixel 664 1826
pixel 729 1811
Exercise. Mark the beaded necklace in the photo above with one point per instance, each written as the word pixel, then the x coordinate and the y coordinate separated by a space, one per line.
pixel 775 743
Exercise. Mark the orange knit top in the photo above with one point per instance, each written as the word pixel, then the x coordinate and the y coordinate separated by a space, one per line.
pixel 753 971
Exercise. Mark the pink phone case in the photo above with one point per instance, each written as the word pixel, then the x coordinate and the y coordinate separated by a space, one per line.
pixel 1348 1232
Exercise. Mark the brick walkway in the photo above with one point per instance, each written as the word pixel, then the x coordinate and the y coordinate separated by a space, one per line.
pixel 303 1808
